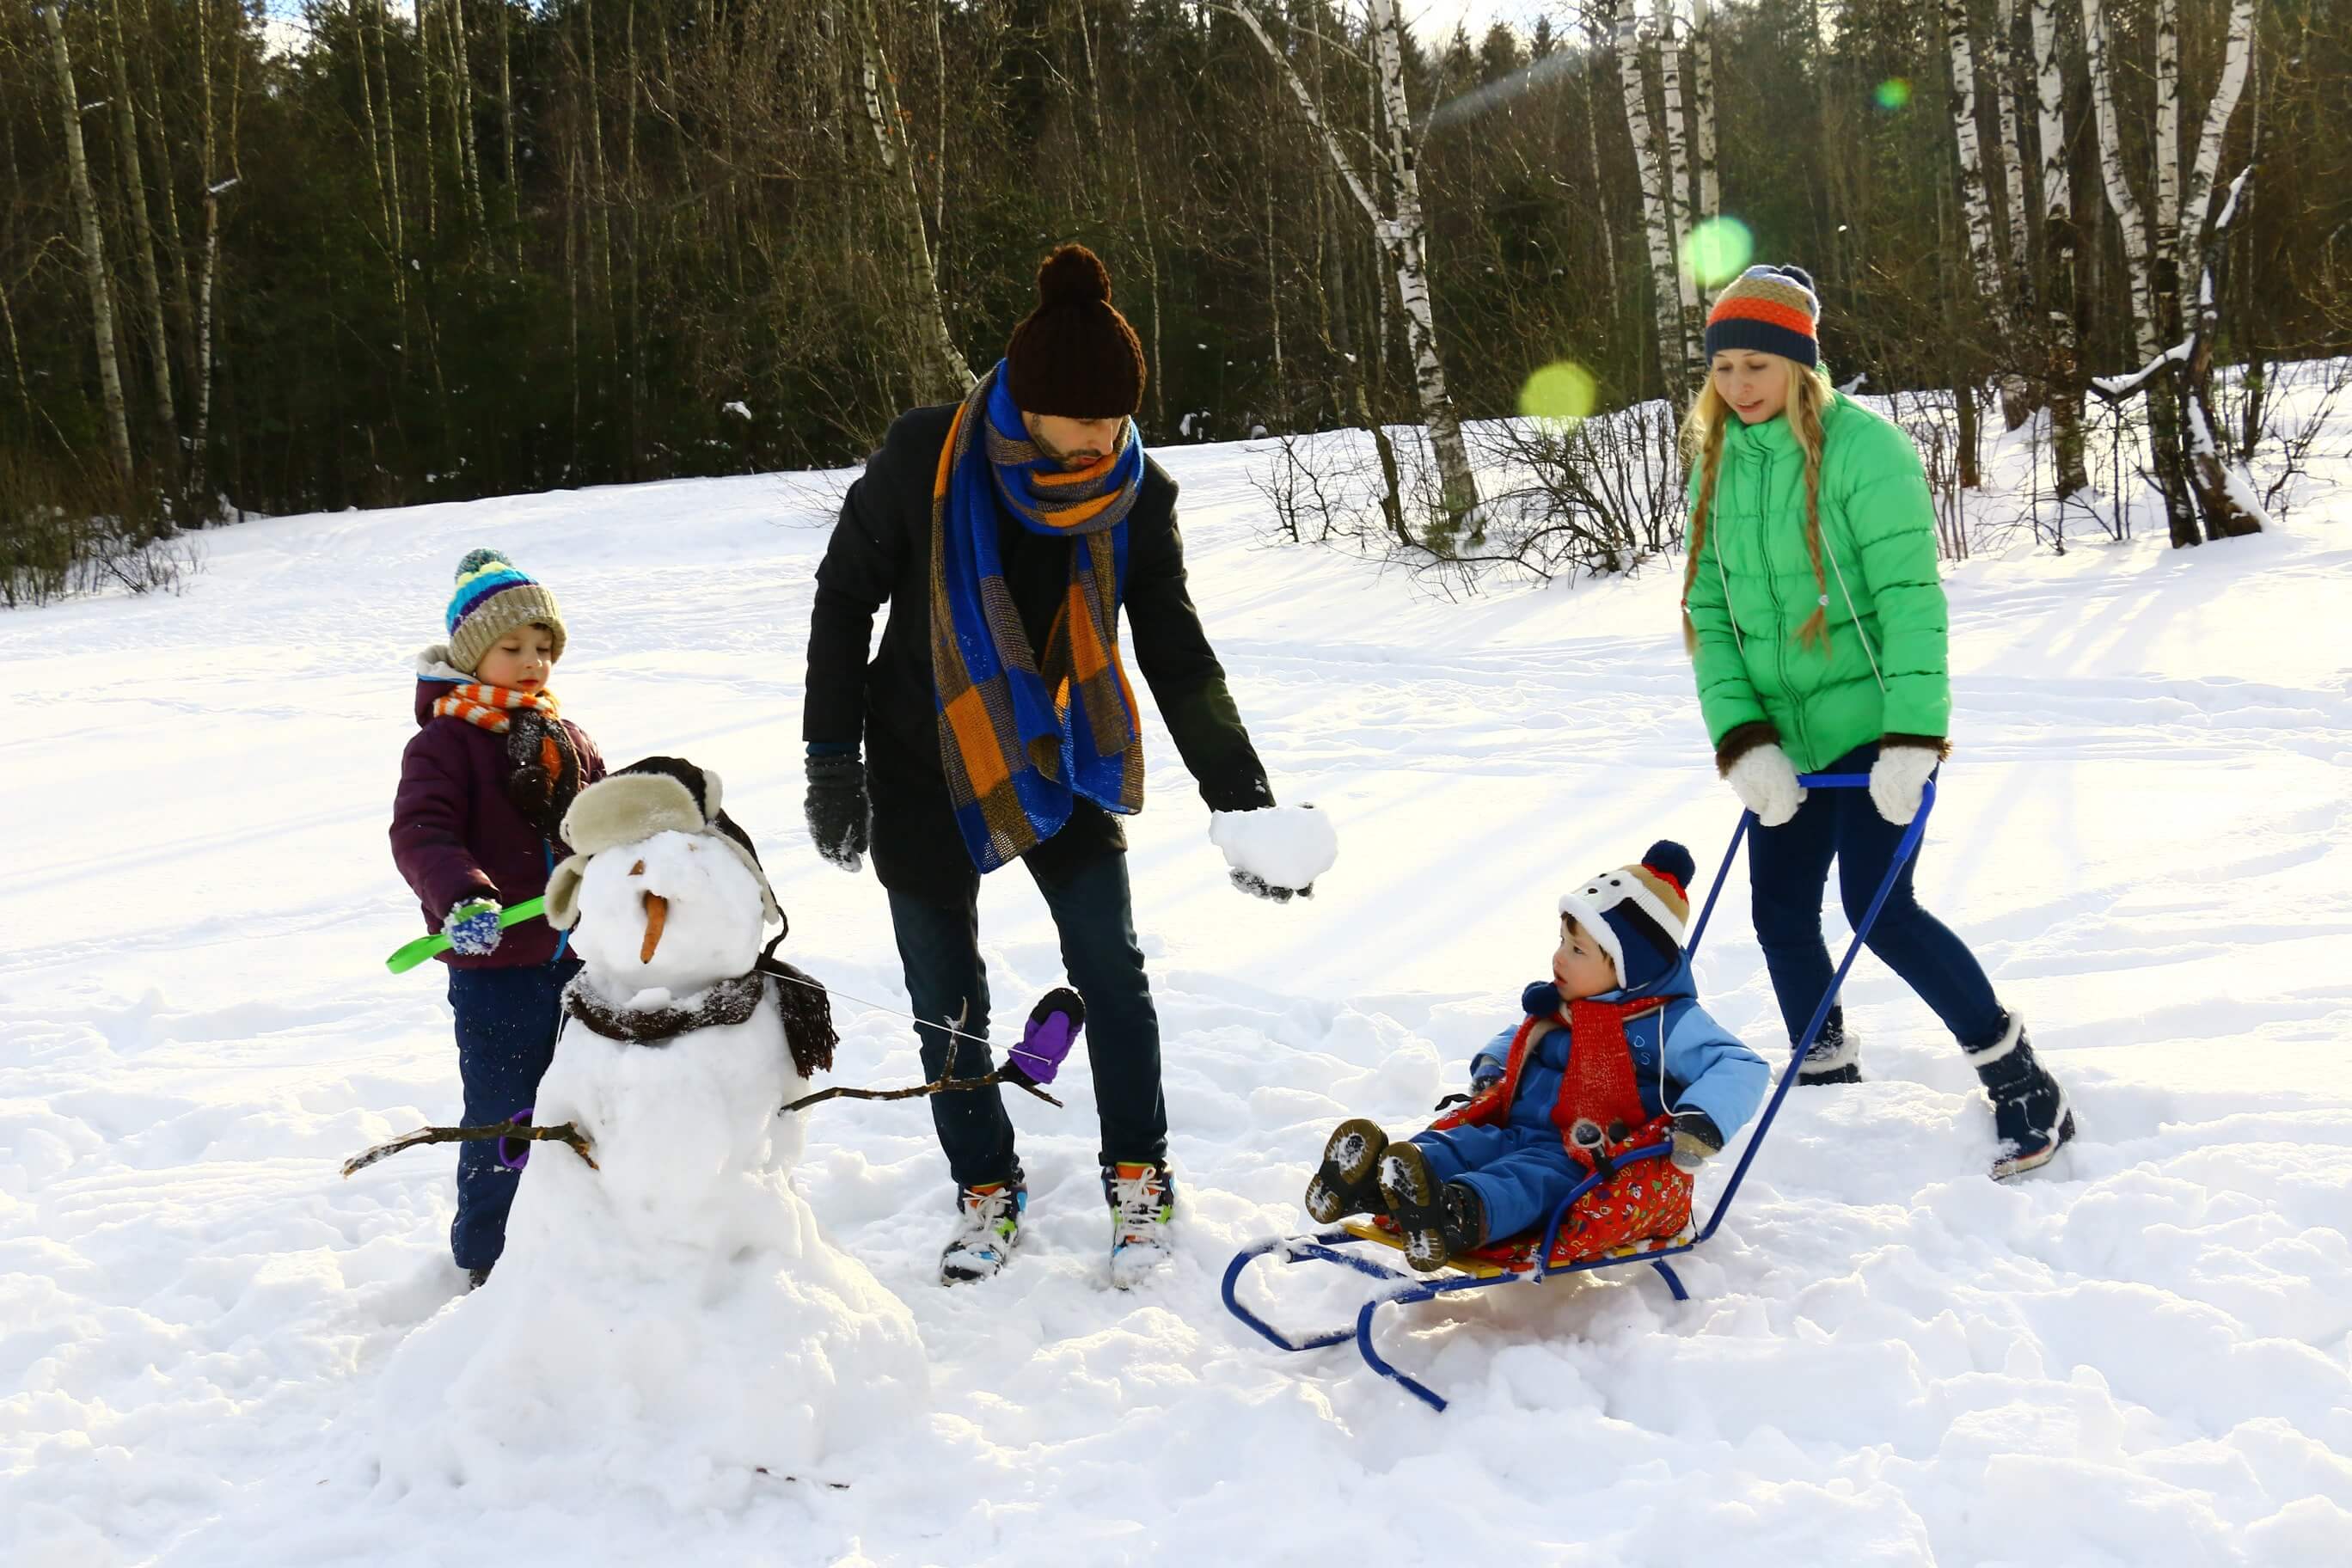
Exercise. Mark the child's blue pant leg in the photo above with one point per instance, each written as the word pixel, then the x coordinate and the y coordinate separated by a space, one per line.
pixel 507 1023
pixel 1520 1173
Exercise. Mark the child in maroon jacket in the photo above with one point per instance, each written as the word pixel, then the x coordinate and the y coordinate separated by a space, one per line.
pixel 484 785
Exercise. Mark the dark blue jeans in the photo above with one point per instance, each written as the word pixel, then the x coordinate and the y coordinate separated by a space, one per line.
pixel 507 1024
pixel 947 981
pixel 1789 869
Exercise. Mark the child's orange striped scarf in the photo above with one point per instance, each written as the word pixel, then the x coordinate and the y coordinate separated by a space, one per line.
pixel 492 706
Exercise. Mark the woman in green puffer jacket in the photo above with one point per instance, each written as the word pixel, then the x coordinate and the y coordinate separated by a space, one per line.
pixel 1816 623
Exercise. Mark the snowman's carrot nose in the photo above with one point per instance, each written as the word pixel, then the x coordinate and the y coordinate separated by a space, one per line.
pixel 657 912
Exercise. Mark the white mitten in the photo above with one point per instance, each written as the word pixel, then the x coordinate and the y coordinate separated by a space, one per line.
pixel 1275 851
pixel 1898 779
pixel 1766 783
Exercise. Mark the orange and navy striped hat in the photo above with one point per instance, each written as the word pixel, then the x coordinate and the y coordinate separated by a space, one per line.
pixel 1772 310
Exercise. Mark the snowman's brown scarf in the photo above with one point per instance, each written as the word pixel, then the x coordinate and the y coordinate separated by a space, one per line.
pixel 800 1001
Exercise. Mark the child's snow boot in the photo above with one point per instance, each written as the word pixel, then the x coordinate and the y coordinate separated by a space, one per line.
pixel 2030 1113
pixel 988 1227
pixel 1348 1182
pixel 478 1278
pixel 1415 1204
pixel 1463 1218
pixel 1142 1198
pixel 1834 1056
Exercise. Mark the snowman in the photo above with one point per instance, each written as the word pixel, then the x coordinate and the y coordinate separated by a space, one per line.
pixel 670 1315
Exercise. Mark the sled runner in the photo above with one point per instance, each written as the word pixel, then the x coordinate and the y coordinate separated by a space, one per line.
pixel 1535 1259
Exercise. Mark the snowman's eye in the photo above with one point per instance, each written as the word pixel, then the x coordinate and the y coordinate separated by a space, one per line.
pixel 638 869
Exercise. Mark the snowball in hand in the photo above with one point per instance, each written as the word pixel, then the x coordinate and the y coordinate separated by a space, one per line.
pixel 1282 846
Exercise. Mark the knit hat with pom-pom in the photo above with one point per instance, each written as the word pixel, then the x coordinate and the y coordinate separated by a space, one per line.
pixel 1772 309
pixel 1638 914
pixel 492 598
pixel 1075 355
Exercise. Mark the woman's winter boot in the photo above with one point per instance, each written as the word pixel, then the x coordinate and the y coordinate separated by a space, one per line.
pixel 1834 1056
pixel 2030 1113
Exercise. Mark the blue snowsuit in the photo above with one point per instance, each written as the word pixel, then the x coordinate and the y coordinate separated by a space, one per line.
pixel 1683 1060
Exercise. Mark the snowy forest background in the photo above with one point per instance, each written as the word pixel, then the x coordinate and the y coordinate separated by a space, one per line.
pixel 380 256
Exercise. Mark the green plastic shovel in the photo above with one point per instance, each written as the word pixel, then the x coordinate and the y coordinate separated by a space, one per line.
pixel 425 947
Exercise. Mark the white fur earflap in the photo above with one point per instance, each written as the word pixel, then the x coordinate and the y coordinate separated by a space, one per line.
pixel 563 907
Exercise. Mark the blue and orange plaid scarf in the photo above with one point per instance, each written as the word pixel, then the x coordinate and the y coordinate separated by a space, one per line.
pixel 1022 737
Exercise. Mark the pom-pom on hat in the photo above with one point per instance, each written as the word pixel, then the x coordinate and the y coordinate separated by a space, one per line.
pixel 1638 914
pixel 1772 309
pixel 1075 355
pixel 493 597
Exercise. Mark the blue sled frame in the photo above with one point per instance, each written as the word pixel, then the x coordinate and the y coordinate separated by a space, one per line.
pixel 1323 1247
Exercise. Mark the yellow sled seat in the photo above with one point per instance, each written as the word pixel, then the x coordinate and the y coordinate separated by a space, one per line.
pixel 1498 1259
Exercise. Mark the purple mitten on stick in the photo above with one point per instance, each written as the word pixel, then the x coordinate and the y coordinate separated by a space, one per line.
pixel 1046 1040
pixel 514 1153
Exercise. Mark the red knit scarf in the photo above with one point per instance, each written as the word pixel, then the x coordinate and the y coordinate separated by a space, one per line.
pixel 1598 1085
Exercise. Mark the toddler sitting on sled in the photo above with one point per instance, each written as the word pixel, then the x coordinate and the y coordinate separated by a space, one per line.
pixel 1614 1054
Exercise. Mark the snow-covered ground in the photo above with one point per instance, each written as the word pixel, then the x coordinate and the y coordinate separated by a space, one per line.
pixel 2143 1355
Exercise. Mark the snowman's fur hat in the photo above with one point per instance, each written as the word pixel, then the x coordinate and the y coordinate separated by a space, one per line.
pixel 659 794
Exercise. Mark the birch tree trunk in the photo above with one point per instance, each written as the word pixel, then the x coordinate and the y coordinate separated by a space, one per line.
pixel 933 360
pixel 1976 206
pixel 462 63
pixel 1401 233
pixel 1408 243
pixel 142 237
pixel 2012 146
pixel 1674 161
pixel 1600 189
pixel 214 187
pixel 1675 359
pixel 390 131
pixel 2166 266
pixel 2063 391
pixel 1710 183
pixel 2198 198
pixel 2016 403
pixel 93 244
pixel 507 132
pixel 2120 200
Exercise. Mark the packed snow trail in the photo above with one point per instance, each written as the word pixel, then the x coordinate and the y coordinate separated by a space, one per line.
pixel 2143 1354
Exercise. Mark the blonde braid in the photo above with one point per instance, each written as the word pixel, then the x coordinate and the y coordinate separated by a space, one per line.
pixel 1706 414
pixel 1805 397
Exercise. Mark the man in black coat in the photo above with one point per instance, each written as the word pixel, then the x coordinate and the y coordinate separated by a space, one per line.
pixel 1074 370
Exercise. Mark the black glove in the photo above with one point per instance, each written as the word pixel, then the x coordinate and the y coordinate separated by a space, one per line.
pixel 836 808
pixel 1252 883
pixel 1696 1139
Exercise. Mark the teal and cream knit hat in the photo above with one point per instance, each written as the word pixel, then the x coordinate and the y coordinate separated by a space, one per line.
pixel 492 598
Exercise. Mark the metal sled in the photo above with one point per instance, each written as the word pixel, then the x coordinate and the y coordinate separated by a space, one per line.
pixel 1530 1260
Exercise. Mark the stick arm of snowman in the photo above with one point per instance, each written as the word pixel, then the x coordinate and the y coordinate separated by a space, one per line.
pixel 518 1129
pixel 1053 1028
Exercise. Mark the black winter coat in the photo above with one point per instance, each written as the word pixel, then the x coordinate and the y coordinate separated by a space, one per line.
pixel 881 551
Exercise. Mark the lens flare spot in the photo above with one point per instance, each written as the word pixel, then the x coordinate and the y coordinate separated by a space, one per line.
pixel 1717 251
pixel 1562 390
pixel 1894 93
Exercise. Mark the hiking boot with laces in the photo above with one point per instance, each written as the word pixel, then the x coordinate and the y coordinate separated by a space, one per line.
pixel 1348 1182
pixel 2030 1113
pixel 988 1227
pixel 1142 1198
pixel 1834 1056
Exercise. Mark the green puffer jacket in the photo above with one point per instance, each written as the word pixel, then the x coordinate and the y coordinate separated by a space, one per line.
pixel 1754 586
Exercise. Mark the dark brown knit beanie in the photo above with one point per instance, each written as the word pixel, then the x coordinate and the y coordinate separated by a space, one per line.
pixel 1073 355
